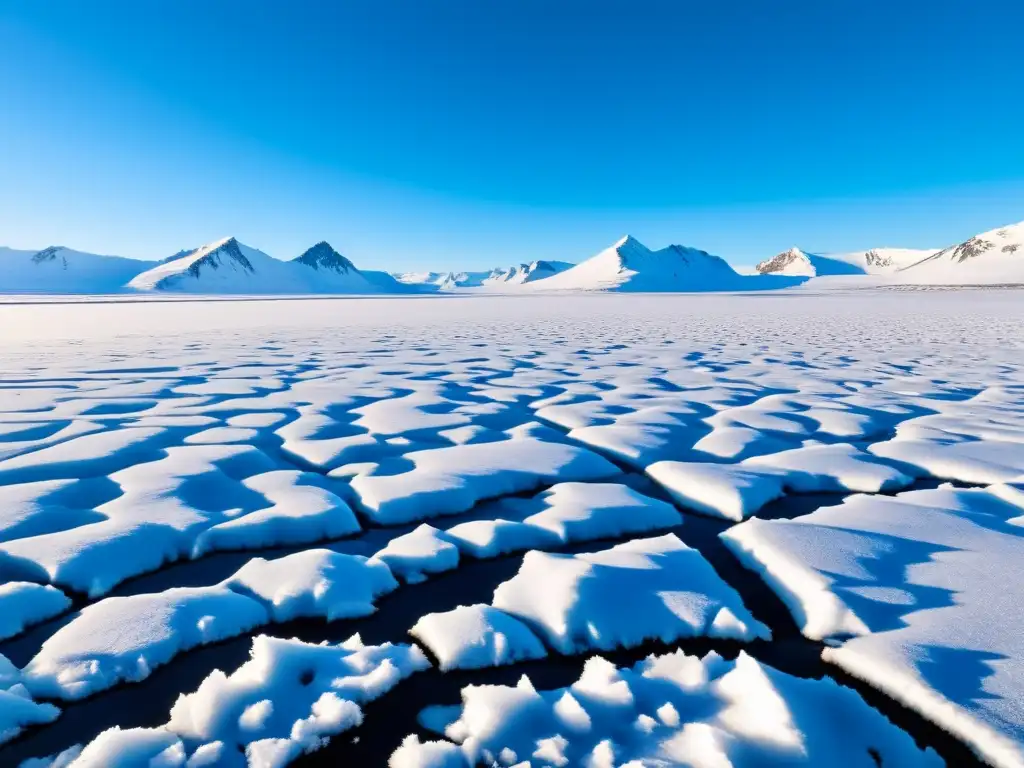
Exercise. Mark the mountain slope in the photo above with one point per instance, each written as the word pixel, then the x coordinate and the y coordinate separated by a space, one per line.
pixel 63 270
pixel 628 265
pixel 797 263
pixel 883 261
pixel 996 256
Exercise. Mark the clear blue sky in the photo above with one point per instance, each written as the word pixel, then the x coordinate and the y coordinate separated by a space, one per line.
pixel 469 133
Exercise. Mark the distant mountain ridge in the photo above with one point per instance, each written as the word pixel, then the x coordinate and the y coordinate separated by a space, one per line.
pixel 628 265
pixel 517 274
pixel 231 267
pixel 228 266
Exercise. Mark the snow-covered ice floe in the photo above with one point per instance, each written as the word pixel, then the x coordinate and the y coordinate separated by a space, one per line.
pixel 666 710
pixel 917 595
pixel 446 481
pixel 18 710
pixel 121 639
pixel 474 636
pixel 645 589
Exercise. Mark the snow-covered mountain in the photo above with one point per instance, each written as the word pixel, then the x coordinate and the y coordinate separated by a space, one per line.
pixel 228 266
pixel 517 274
pixel 797 263
pixel 330 272
pixel 63 270
pixel 882 261
pixel 224 266
pixel 996 256
pixel 520 274
pixel 628 265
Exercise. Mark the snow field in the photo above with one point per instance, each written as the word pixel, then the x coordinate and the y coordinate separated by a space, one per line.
pixel 228 442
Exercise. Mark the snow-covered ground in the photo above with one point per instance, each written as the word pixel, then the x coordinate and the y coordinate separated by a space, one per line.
pixel 492 489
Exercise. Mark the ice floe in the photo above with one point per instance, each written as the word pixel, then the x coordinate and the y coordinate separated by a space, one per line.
pixel 446 481
pixel 123 639
pixel 917 594
pixel 289 698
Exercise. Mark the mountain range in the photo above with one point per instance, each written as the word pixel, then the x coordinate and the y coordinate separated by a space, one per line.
pixel 228 266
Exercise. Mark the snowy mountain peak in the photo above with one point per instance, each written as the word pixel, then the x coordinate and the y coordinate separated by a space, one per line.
pixel 226 255
pixel 791 262
pixel 225 251
pixel 629 265
pixel 323 256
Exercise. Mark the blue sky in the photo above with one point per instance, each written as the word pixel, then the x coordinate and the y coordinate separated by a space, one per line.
pixel 461 133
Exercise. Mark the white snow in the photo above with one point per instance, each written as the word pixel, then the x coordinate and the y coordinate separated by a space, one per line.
pixel 645 589
pixel 839 467
pixel 121 639
pixel 446 481
pixel 474 636
pixel 289 698
pixel 491 538
pixel 721 490
pixel 315 582
pixel 298 514
pixel 667 710
pixel 585 511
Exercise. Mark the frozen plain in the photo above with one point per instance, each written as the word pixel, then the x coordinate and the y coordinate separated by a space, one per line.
pixel 724 497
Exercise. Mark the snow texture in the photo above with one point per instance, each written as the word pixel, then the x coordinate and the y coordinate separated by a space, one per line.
pixel 121 639
pixel 23 603
pixel 190 471
pixel 667 710
pixel 288 699
pixel 474 636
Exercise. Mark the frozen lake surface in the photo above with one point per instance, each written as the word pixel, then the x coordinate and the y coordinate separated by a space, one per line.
pixel 557 530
